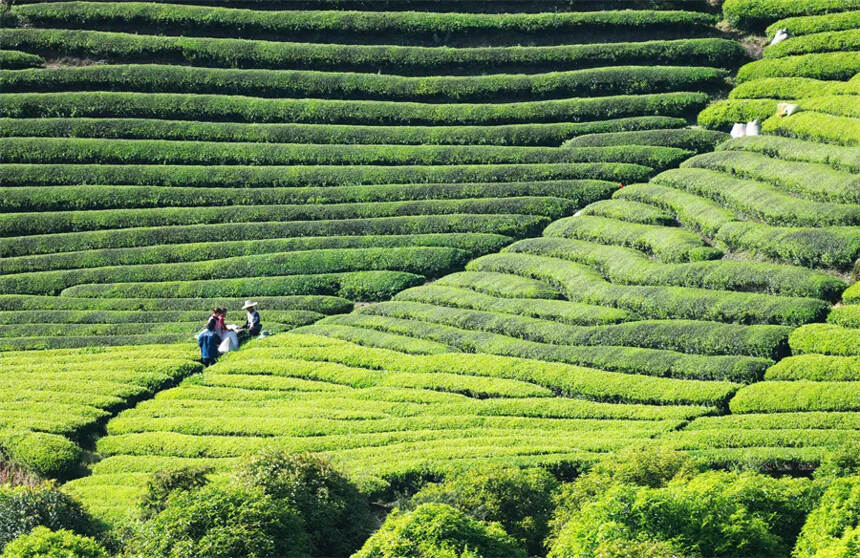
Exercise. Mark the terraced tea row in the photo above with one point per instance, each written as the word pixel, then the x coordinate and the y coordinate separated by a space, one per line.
pixel 430 413
pixel 203 156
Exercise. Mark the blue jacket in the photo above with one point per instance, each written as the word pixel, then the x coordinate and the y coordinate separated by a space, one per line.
pixel 209 341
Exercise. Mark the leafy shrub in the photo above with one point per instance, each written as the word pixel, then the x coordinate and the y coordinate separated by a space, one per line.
pixel 163 483
pixel 637 465
pixel 789 150
pixel 713 514
pixel 16 60
pixel 827 41
pixel 845 316
pixel 336 515
pixel 46 455
pixel 23 508
pixel 816 367
pixel 831 528
pixel 721 115
pixel 816 126
pixel 826 339
pixel 790 88
pixel 754 15
pixel 438 530
pixel 843 461
pixel 805 25
pixel 694 212
pixel 519 500
pixel 827 65
pixel 835 247
pixel 799 395
pixel 42 542
pixel 221 522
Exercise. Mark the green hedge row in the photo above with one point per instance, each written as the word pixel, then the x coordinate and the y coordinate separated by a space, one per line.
pixel 629 211
pixel 550 135
pixel 371 338
pixel 147 152
pixel 359 285
pixel 722 114
pixel 755 15
pixel 669 244
pixel 41 453
pixel 226 108
pixel 789 149
pixel 828 65
pixel 836 105
pixel 428 261
pixel 792 88
pixel 15 224
pixel 75 198
pixel 695 212
pixel 474 244
pixel 153 78
pixel 801 395
pixel 142 306
pixel 17 60
pixel 828 339
pixel 43 343
pixel 852 293
pixel 683 372
pixel 275 323
pixel 282 177
pixel 845 316
pixel 759 200
pixel 734 438
pixel 818 368
pixel 499 285
pixel 507 224
pixel 829 41
pixel 837 247
pixel 815 181
pixel 479 6
pixel 53 318
pixel 815 126
pixel 782 421
pixel 582 284
pixel 806 25
pixel 573 313
pixel 700 141
pixel 389 59
pixel 458 29
pixel 627 266
pixel 686 336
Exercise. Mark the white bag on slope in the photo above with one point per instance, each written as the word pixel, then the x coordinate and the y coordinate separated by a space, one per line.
pixel 739 130
pixel 754 128
pixel 780 36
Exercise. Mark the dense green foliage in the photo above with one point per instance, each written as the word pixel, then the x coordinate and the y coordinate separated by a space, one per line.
pixel 42 542
pixel 438 530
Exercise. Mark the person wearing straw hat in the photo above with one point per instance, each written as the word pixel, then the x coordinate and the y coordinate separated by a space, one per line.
pixel 252 325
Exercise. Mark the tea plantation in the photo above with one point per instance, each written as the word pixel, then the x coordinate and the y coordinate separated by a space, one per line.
pixel 483 233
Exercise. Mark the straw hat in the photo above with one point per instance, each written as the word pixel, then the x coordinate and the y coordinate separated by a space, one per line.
pixel 249 304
